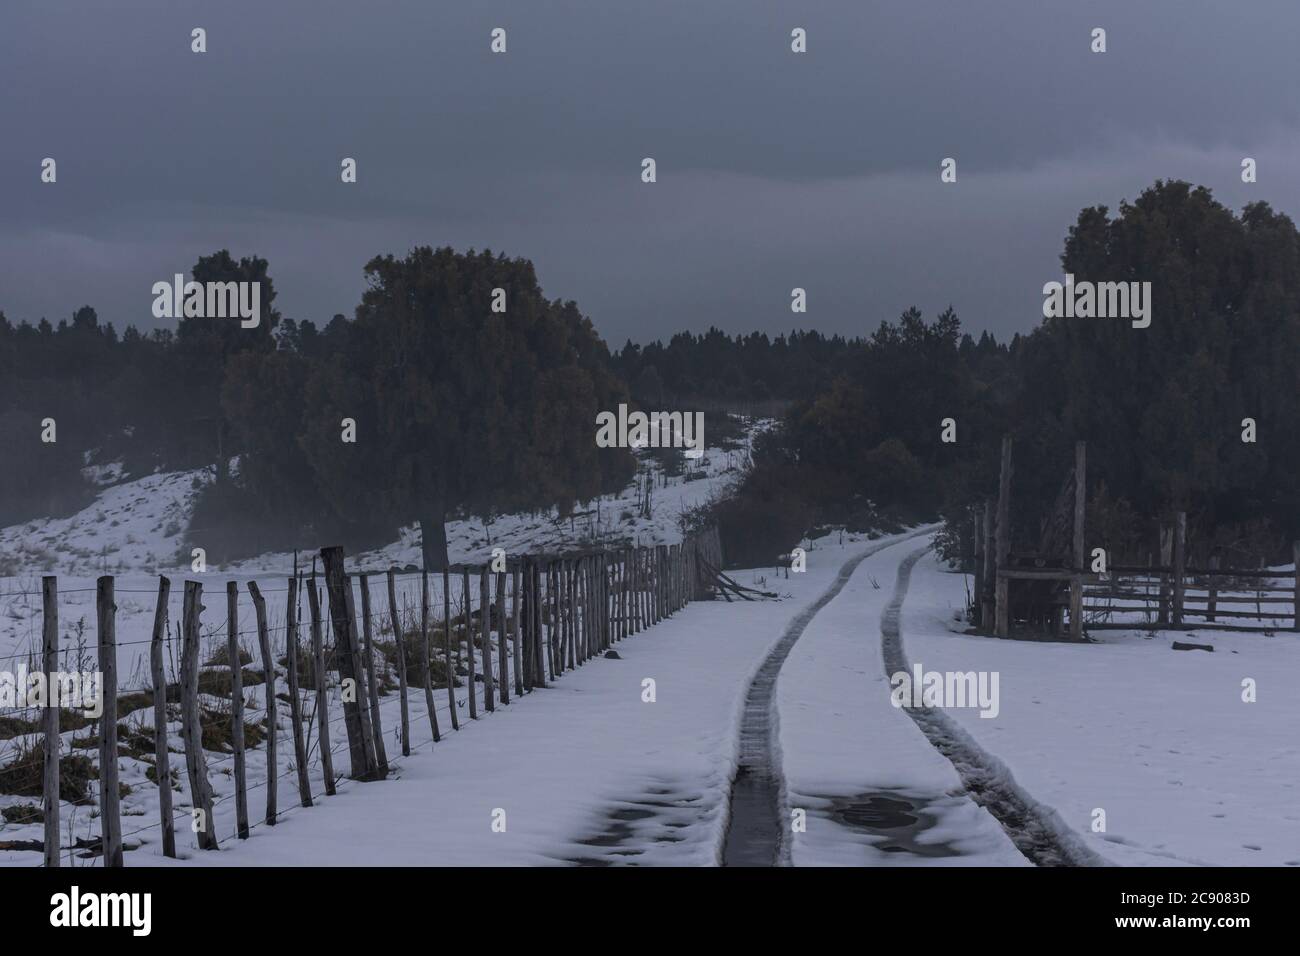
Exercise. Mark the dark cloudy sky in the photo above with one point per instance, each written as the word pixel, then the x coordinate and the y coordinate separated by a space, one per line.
pixel 775 170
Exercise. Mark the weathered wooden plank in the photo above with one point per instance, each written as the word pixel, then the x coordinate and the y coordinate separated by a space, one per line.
pixel 50 721
pixel 372 675
pixel 110 819
pixel 195 762
pixel 237 709
pixel 322 692
pixel 272 706
pixel 356 717
pixel 161 755
pixel 291 652
pixel 400 639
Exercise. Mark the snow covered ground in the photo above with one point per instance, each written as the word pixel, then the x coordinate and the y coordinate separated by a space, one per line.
pixel 1161 740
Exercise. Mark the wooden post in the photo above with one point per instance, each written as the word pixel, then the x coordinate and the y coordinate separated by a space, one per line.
pixel 485 637
pixel 426 659
pixel 1080 506
pixel 361 677
pixel 110 819
pixel 291 652
pixel 356 719
pixel 535 606
pixel 50 740
pixel 195 762
pixel 161 756
pixel 977 547
pixel 503 651
pixel 515 626
pixel 1213 601
pixel 322 694
pixel 272 709
pixel 400 639
pixel 990 570
pixel 1002 610
pixel 237 709
pixel 446 639
pixel 368 634
pixel 468 631
pixel 1180 565
pixel 552 623
pixel 1166 563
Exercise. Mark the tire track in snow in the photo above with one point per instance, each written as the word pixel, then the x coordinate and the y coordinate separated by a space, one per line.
pixel 1036 829
pixel 755 835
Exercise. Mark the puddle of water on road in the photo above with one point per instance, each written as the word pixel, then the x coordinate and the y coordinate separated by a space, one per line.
pixel 900 820
pixel 630 827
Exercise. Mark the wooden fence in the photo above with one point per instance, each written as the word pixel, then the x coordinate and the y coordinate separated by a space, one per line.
pixel 1043 589
pixel 520 623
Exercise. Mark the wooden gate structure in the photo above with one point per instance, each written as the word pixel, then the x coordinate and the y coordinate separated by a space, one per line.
pixel 1039 590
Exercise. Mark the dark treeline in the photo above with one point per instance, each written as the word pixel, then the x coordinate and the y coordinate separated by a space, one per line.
pixel 723 369
pixel 1162 408
pixel 462 409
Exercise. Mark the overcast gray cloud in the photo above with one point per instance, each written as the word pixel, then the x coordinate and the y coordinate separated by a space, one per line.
pixel 775 170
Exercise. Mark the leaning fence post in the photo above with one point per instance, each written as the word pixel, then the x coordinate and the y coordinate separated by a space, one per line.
pixel 376 725
pixel 449 669
pixel 195 763
pixel 400 639
pixel 272 718
pixel 465 611
pixel 295 700
pixel 322 694
pixel 356 717
pixel 50 744
pixel 161 759
pixel 110 820
pixel 427 661
pixel 236 709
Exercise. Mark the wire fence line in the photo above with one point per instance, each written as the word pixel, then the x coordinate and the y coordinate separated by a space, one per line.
pixel 507 628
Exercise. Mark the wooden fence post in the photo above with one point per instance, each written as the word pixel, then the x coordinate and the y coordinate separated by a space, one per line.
pixel 322 692
pixel 191 722
pixel 468 630
pixel 535 606
pixel 400 640
pixel 1166 564
pixel 1180 565
pixel 990 570
pixel 110 819
pixel 50 741
pixel 359 674
pixel 517 652
pixel 1080 506
pixel 446 639
pixel 272 710
pixel 356 718
pixel 237 709
pixel 503 651
pixel 485 637
pixel 426 659
pixel 1001 591
pixel 1212 602
pixel 161 756
pixel 291 652
pixel 367 632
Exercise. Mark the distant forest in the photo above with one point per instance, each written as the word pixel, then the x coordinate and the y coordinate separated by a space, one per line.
pixel 460 409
